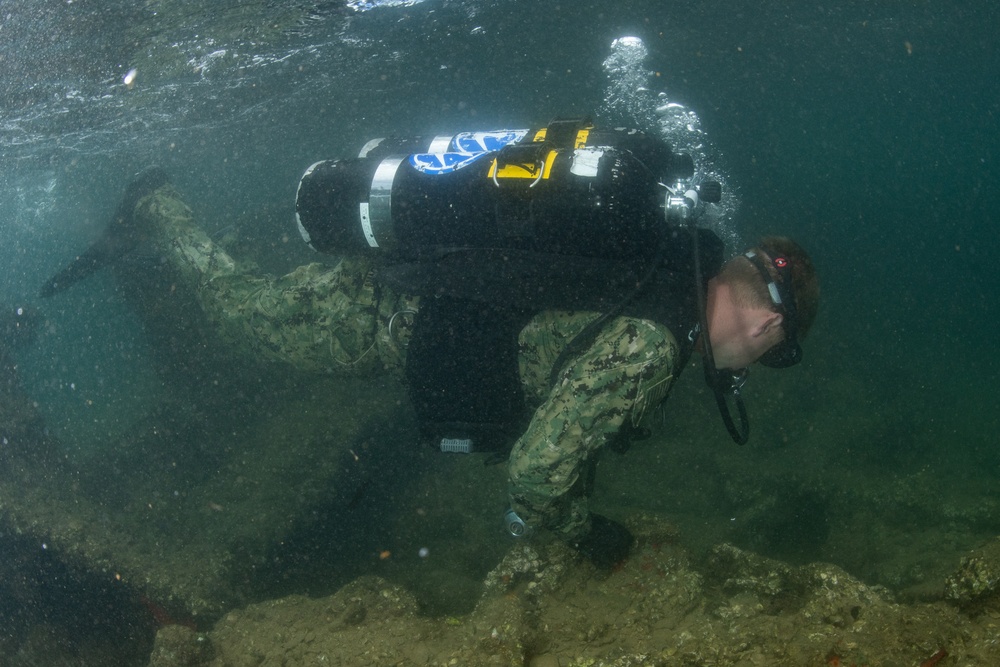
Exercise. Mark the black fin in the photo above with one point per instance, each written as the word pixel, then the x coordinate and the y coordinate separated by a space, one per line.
pixel 119 237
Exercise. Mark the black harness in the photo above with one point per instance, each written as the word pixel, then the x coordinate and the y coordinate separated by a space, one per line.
pixel 462 358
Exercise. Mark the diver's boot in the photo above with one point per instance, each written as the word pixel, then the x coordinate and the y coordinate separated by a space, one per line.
pixel 120 236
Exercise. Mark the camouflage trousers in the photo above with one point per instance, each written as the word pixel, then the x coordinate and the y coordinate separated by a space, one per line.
pixel 340 320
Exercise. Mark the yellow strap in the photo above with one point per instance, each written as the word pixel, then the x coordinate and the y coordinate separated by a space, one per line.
pixel 524 170
pixel 581 137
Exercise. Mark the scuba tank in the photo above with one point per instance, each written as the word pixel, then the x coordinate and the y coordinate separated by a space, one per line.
pixel 567 189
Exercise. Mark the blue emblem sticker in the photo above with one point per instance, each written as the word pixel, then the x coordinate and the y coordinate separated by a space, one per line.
pixel 484 142
pixel 443 163
pixel 468 147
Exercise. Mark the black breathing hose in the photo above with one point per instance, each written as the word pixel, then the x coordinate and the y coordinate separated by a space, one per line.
pixel 718 381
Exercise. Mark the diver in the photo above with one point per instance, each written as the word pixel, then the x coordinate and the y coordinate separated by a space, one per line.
pixel 524 284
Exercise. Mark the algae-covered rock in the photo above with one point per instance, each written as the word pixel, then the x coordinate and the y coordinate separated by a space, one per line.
pixel 178 646
pixel 533 568
pixel 736 570
pixel 975 583
pixel 543 606
pixel 338 629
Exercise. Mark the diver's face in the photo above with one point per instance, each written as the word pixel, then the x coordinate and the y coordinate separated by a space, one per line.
pixel 740 335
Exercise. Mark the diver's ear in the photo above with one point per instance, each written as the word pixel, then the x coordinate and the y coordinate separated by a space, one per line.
pixel 767 323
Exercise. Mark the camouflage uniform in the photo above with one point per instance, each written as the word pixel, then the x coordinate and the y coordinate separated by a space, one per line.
pixel 317 318
pixel 338 320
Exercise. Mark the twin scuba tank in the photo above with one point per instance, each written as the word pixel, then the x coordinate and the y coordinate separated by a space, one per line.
pixel 567 189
